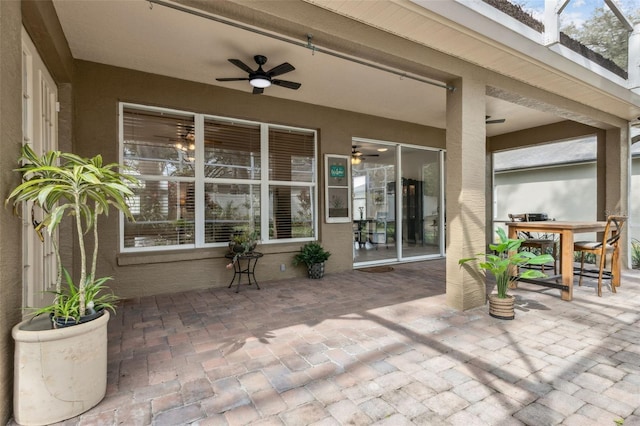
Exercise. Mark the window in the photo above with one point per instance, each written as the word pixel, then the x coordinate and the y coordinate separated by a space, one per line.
pixel 205 178
pixel 232 176
pixel 292 171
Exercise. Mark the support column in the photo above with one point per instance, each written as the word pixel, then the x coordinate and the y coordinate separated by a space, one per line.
pixel 489 195
pixel 613 172
pixel 466 203
pixel 551 23
pixel 601 173
pixel 613 180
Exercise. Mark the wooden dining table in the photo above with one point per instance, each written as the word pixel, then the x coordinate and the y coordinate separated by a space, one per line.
pixel 567 231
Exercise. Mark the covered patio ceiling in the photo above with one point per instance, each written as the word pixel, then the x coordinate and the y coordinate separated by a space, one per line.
pixel 151 37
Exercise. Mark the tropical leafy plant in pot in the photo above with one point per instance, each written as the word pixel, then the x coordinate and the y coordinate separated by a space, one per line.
pixel 501 263
pixel 65 184
pixel 313 255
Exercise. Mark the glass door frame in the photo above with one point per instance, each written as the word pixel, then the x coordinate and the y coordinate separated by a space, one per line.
pixel 398 147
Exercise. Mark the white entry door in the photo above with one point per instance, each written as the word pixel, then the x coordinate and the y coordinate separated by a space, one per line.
pixel 40 130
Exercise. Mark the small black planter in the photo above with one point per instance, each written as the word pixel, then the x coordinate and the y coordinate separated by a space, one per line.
pixel 237 248
pixel 316 271
pixel 70 322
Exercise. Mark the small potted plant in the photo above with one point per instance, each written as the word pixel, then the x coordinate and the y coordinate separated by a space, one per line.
pixel 501 263
pixel 313 255
pixel 242 243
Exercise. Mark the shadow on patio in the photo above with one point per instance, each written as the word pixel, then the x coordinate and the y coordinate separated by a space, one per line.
pixel 365 348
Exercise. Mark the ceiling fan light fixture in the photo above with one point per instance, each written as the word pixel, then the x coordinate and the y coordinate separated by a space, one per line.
pixel 260 81
pixel 356 160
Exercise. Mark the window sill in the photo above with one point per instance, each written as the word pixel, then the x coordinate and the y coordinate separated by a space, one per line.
pixel 127 259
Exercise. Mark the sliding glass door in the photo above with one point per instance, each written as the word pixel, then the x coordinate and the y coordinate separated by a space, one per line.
pixel 396 202
pixel 421 221
pixel 374 203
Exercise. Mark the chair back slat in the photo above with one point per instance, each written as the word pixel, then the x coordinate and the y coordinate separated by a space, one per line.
pixel 611 238
pixel 608 244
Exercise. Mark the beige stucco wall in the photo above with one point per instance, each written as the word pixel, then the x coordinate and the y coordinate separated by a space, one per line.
pixel 564 193
pixel 97 91
pixel 10 229
pixel 634 201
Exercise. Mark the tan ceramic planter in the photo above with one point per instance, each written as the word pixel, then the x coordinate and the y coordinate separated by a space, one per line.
pixel 58 374
pixel 501 308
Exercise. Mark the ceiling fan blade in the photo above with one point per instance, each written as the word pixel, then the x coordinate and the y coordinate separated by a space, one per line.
pixel 280 69
pixel 233 79
pixel 288 84
pixel 238 63
pixel 258 90
pixel 496 121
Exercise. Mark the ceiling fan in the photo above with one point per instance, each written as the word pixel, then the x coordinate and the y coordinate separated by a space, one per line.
pixel 496 121
pixel 261 79
pixel 357 156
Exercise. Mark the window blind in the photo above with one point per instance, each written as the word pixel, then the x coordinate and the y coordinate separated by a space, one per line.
pixel 291 174
pixel 186 201
pixel 159 148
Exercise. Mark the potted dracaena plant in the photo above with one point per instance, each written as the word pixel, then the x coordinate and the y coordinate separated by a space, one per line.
pixel 503 263
pixel 49 387
pixel 314 256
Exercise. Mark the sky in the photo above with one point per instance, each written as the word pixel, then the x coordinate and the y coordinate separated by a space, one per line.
pixel 577 11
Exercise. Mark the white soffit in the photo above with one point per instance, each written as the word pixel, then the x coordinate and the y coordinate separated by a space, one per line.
pixel 156 39
pixel 135 35
pixel 480 34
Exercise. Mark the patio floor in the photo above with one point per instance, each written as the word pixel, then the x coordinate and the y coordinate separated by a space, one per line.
pixel 372 348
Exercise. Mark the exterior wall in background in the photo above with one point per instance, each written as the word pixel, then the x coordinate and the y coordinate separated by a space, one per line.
pixel 565 192
pixel 634 201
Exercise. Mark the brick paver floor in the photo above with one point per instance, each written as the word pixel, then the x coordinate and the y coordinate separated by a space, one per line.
pixel 359 348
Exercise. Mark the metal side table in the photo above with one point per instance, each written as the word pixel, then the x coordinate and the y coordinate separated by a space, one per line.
pixel 244 264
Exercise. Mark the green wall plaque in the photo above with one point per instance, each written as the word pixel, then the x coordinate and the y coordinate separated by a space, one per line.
pixel 337 171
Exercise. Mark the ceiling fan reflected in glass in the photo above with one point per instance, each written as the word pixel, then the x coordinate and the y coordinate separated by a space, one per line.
pixel 185 144
pixel 261 79
pixel 357 156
